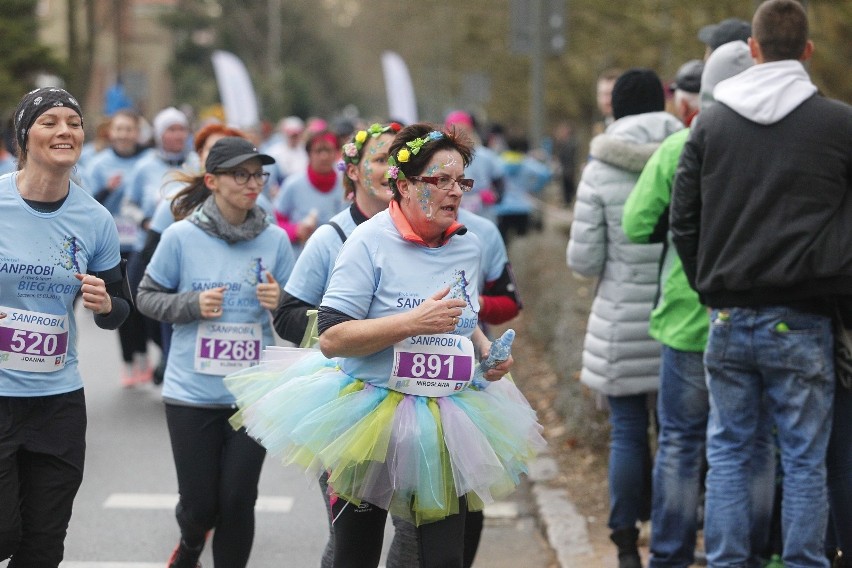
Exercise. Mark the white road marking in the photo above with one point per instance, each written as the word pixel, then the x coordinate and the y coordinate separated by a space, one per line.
pixel 501 510
pixel 157 501
pixel 111 565
pixel 120 565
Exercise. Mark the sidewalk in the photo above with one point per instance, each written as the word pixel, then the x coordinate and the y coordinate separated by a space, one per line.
pixel 569 484
pixel 565 528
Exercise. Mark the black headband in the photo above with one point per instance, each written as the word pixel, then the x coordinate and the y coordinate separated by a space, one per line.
pixel 37 102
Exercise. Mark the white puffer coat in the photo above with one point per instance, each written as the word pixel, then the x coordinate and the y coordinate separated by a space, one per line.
pixel 619 357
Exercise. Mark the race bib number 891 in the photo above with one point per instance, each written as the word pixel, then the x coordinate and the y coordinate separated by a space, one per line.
pixel 432 365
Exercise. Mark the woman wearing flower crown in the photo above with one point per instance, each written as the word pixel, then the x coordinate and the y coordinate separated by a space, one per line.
pixel 364 164
pixel 395 418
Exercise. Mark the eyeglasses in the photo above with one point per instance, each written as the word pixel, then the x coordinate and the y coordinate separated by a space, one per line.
pixel 445 182
pixel 242 176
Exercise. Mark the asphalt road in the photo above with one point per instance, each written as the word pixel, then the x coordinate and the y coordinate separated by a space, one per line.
pixel 124 512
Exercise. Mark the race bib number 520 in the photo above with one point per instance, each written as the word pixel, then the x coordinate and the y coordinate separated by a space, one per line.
pixel 32 341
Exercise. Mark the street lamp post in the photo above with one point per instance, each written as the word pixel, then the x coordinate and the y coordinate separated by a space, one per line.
pixel 536 75
pixel 118 16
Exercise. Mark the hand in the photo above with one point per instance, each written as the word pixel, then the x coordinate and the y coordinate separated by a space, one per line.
pixel 306 228
pixel 437 315
pixel 499 371
pixel 269 293
pixel 113 182
pixel 210 301
pixel 94 294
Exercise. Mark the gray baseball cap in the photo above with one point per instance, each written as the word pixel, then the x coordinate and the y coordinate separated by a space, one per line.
pixel 688 77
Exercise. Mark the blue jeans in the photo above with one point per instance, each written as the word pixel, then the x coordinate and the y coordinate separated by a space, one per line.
pixel 839 464
pixel 768 366
pixel 683 408
pixel 629 461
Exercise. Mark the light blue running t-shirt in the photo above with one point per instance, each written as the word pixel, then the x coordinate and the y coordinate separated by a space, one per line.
pixel 189 259
pixel 312 272
pixel 313 267
pixel 298 198
pixel 39 255
pixel 494 256
pixel 378 273
pixel 99 170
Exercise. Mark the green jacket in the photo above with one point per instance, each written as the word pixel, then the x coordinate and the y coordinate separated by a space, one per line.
pixel 678 319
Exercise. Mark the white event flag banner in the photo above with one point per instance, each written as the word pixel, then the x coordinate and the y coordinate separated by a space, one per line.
pixel 402 104
pixel 235 90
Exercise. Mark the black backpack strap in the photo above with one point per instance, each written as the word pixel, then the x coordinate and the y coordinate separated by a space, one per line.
pixel 340 232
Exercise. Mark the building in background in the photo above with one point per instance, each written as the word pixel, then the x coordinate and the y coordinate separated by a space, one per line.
pixel 111 39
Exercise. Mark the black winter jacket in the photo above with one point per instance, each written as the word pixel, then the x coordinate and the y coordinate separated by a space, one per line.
pixel 762 214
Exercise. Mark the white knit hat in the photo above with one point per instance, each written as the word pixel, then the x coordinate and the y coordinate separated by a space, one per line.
pixel 166 118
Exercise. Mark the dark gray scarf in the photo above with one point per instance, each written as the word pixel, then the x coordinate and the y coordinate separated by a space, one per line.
pixel 208 217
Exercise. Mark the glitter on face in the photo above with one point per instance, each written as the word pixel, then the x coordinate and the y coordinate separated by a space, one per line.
pixel 367 164
pixel 424 198
pixel 368 176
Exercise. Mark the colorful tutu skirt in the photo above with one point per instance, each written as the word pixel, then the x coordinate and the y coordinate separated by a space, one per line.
pixel 414 456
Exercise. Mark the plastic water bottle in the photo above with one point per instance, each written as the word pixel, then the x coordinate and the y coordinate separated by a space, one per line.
pixel 500 350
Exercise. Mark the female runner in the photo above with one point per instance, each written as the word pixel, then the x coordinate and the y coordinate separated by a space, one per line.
pixel 395 419
pixel 214 276
pixel 57 241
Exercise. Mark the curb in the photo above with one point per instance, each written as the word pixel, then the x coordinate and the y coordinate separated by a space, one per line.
pixel 565 528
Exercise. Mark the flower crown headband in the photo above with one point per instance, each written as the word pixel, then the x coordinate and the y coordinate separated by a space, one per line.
pixel 405 154
pixel 352 150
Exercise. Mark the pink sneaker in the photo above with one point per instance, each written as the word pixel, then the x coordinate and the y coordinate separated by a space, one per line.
pixel 132 375
pixel 141 376
pixel 128 376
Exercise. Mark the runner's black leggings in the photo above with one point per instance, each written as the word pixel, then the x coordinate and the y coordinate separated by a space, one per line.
pixel 42 452
pixel 218 470
pixel 359 531
pixel 132 333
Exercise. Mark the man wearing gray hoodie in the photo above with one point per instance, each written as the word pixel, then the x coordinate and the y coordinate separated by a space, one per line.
pixel 759 216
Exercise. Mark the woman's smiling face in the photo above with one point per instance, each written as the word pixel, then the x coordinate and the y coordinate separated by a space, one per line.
pixel 56 138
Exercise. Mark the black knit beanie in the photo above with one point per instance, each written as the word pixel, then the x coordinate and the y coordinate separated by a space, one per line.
pixel 637 91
